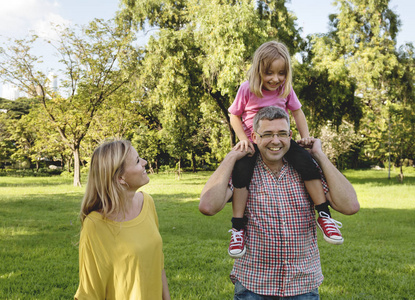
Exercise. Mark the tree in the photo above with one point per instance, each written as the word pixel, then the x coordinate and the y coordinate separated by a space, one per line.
pixel 338 140
pixel 198 59
pixel 97 62
pixel 7 147
pixel 327 101
pixel 360 48
pixel 400 134
pixel 10 126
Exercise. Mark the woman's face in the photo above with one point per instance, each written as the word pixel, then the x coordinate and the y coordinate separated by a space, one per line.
pixel 135 174
pixel 274 77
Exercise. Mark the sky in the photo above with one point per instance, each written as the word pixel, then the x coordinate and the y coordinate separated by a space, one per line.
pixel 19 17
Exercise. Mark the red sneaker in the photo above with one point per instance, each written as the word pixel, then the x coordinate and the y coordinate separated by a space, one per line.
pixel 330 228
pixel 237 245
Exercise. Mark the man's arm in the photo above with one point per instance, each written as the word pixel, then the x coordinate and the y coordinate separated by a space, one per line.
pixel 342 196
pixel 216 192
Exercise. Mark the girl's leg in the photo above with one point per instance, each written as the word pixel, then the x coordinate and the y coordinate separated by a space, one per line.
pixel 237 244
pixel 303 163
pixel 240 197
pixel 241 178
pixel 316 192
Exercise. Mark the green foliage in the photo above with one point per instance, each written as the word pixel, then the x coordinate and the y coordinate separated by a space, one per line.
pixel 325 100
pixel 338 141
pixel 17 108
pixel 401 129
pixel 360 43
pixel 359 52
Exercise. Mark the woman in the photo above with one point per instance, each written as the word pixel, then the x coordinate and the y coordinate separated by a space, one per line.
pixel 120 248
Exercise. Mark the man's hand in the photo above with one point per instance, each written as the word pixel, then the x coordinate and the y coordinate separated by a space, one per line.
pixel 313 145
pixel 306 142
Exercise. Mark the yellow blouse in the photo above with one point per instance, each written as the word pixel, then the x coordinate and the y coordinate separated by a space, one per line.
pixel 121 260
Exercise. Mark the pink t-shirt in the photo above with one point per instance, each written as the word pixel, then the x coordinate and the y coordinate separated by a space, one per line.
pixel 247 104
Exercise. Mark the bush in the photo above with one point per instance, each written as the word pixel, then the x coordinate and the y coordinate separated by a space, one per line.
pixel 42 172
pixel 67 174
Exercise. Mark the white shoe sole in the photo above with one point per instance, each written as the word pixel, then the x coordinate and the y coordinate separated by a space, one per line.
pixel 237 255
pixel 329 240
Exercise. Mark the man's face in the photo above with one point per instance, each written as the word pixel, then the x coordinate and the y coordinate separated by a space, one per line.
pixel 272 148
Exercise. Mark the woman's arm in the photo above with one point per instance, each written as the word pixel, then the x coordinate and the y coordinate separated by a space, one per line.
pixel 92 268
pixel 165 293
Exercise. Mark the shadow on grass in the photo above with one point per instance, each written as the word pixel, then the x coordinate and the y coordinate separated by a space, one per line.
pixel 34 181
pixel 178 198
pixel 376 261
pixel 377 178
pixel 38 253
pixel 38 215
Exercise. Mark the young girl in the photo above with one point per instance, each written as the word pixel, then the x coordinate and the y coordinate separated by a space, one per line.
pixel 120 248
pixel 269 84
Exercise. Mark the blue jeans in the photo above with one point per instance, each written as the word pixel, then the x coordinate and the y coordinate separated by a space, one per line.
pixel 242 293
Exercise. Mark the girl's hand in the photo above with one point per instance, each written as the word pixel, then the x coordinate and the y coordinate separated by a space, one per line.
pixel 306 142
pixel 245 146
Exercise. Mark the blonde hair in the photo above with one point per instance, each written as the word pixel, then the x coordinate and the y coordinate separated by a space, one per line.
pixel 264 56
pixel 104 191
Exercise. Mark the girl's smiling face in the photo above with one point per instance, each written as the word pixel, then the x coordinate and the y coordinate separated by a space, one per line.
pixel 274 76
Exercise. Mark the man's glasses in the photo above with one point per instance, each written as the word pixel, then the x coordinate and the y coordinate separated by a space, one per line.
pixel 270 136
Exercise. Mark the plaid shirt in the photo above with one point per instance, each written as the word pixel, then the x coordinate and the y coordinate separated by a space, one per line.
pixel 282 257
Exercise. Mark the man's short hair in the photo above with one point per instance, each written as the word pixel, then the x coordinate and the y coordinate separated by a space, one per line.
pixel 270 113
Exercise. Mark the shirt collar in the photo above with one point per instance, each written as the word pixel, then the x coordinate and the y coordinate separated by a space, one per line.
pixel 262 164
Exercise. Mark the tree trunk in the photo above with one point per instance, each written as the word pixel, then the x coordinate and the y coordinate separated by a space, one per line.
pixel 76 167
pixel 194 162
pixel 62 161
pixel 150 168
pixel 400 176
pixel 220 101
pixel 179 171
pixel 69 163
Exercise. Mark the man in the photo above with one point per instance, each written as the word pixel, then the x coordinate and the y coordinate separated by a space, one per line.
pixel 282 258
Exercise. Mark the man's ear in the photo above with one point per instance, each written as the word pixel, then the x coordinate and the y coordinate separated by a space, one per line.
pixel 254 137
pixel 291 134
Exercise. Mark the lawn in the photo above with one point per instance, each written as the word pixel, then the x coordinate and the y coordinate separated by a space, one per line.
pixel 39 230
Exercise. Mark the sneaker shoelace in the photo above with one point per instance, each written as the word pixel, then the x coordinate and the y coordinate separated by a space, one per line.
pixel 237 237
pixel 330 224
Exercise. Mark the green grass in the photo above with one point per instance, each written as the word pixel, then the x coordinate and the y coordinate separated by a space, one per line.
pixel 39 230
